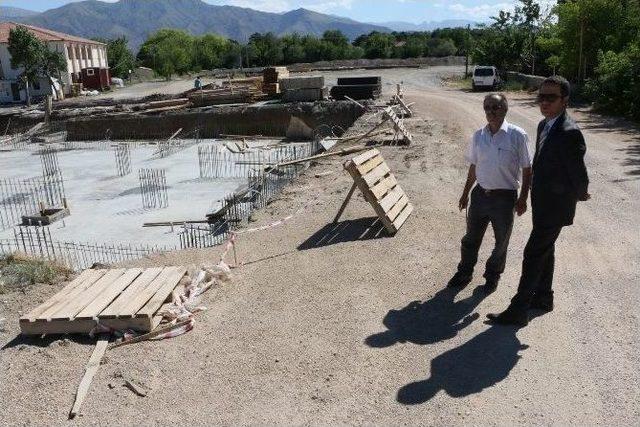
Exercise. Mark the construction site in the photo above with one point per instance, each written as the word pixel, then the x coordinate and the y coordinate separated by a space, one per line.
pixel 153 176
pixel 293 234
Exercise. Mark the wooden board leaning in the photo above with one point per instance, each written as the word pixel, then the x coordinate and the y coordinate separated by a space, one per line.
pixel 372 176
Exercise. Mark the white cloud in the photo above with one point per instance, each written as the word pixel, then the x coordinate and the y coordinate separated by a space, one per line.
pixel 485 10
pixel 480 10
pixel 279 6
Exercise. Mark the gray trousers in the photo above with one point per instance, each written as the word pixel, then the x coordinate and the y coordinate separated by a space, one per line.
pixel 498 210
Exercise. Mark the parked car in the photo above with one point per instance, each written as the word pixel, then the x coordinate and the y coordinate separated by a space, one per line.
pixel 486 77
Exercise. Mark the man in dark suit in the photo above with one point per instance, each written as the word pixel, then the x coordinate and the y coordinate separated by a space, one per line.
pixel 559 181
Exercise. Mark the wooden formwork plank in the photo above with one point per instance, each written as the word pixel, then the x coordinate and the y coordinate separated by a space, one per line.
pixel 397 223
pixel 86 275
pixel 391 198
pixel 152 306
pixel 109 294
pixel 122 324
pixel 376 174
pixel 370 164
pixel 142 297
pixel 361 158
pixel 141 282
pixel 79 302
pixel 90 372
pixel 393 213
pixel 56 326
pixel 384 186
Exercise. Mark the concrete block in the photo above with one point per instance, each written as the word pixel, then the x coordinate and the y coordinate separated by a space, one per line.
pixel 294 83
pixel 305 95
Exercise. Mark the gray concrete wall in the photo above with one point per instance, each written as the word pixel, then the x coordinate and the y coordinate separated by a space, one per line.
pixel 529 81
pixel 267 120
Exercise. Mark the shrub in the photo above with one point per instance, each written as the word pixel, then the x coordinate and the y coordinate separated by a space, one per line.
pixel 18 271
pixel 615 88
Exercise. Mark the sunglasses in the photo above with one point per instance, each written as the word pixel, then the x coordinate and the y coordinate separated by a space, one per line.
pixel 493 108
pixel 548 97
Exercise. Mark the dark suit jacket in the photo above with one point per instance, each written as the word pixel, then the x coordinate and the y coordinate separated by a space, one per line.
pixel 559 174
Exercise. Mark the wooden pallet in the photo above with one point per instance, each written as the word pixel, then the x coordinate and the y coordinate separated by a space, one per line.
pixel 380 188
pixel 120 298
pixel 406 111
pixel 398 126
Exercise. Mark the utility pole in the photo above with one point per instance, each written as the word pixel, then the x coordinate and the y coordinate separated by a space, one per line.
pixel 580 75
pixel 466 51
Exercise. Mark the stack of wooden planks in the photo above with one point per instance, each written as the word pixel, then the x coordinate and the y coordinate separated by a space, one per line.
pixel 120 298
pixel 231 91
pixel 369 87
pixel 271 79
pixel 380 188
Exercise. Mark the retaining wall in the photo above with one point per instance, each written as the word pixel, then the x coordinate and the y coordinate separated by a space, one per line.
pixel 267 120
pixel 529 81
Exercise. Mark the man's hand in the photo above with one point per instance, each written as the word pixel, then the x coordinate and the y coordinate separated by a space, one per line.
pixel 584 197
pixel 521 206
pixel 464 201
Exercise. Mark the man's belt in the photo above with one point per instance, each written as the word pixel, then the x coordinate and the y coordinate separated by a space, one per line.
pixel 498 191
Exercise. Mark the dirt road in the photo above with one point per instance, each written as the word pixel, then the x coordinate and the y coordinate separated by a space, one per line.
pixel 332 324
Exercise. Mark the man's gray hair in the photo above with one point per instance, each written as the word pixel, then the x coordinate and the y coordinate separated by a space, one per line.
pixel 501 97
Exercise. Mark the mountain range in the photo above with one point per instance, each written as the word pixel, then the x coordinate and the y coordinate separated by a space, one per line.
pixel 137 19
pixel 427 25
pixel 8 13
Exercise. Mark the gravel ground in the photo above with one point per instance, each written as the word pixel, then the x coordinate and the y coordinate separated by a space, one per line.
pixel 328 324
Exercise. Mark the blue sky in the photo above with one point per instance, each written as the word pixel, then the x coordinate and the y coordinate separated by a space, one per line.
pixel 362 10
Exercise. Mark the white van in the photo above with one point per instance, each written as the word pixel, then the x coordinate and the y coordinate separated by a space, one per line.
pixel 485 77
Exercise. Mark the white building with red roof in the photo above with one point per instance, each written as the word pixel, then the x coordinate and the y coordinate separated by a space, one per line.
pixel 86 63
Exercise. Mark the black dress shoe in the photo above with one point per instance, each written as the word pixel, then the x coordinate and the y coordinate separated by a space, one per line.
pixel 543 304
pixel 459 281
pixel 509 317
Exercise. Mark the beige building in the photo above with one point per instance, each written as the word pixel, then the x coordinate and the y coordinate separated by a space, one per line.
pixel 80 54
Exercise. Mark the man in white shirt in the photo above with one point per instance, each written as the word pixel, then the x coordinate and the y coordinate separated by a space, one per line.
pixel 498 153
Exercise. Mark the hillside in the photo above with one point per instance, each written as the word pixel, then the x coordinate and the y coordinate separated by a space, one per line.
pixel 8 13
pixel 137 19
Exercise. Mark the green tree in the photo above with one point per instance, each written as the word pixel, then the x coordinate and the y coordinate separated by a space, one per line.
pixel 378 45
pixel 585 28
pixel 168 52
pixel 414 47
pixel 210 51
pixel 266 49
pixel 293 49
pixel 616 85
pixel 34 57
pixel 336 44
pixel 441 47
pixel 121 59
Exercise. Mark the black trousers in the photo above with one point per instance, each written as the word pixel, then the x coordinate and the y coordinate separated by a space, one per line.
pixel 537 267
pixel 484 209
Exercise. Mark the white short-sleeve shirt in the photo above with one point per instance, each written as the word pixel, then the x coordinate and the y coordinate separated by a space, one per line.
pixel 499 158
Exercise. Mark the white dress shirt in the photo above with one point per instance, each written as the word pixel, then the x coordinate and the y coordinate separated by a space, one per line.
pixel 499 158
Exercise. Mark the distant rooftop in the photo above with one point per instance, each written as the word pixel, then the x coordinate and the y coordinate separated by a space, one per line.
pixel 41 33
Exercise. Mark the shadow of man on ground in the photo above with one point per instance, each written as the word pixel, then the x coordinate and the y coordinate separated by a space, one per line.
pixel 479 363
pixel 346 231
pixel 428 322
